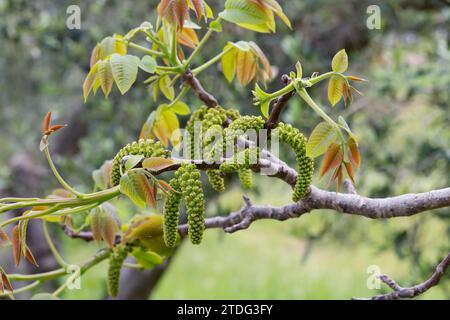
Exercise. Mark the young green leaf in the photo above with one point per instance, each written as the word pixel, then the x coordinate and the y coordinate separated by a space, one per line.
pixel 216 26
pixel 147 259
pixel 132 161
pixel 180 108
pixel 323 135
pixel 166 87
pixel 256 15
pixel 298 68
pixel 340 62
pixel 138 188
pixel 148 64
pixel 105 76
pixel 335 89
pixel 229 62
pixel 89 81
pixel 157 163
pixel 124 70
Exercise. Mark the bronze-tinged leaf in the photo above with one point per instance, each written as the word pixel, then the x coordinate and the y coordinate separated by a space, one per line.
pixel 350 172
pixel 163 7
pixel 180 10
pixel 199 8
pixel 265 69
pixel 3 236
pixel 355 78
pixel 157 163
pixel 57 127
pixel 46 122
pixel 4 282
pixel 104 223
pixel 95 221
pixel 150 191
pixel 339 184
pixel 353 153
pixel 347 94
pixel 174 11
pixel 245 66
pixel 332 158
pixel 30 257
pixel 17 249
pixel 337 175
pixel 94 56
pixel 108 230
pixel 167 187
pixel 187 37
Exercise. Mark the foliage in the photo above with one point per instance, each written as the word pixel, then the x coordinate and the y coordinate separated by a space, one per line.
pixel 166 61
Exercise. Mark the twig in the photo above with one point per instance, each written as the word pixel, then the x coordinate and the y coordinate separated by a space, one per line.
pixel 411 292
pixel 400 206
pixel 279 105
pixel 349 187
pixel 201 93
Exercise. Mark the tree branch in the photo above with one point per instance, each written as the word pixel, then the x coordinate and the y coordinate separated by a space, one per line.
pixel 393 207
pixel 201 93
pixel 411 292
pixel 279 105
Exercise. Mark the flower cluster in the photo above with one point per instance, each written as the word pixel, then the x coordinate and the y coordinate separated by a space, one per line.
pixel 193 196
pixel 292 137
pixel 172 214
pixel 116 260
pixel 147 148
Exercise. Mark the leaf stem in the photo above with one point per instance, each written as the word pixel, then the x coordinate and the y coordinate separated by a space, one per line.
pixel 210 62
pixel 40 278
pixel 22 289
pixel 145 50
pixel 58 176
pixel 51 245
pixel 179 96
pixel 200 45
pixel 305 96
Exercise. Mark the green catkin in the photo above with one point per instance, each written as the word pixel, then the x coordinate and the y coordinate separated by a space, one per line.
pixel 148 148
pixel 197 116
pixel 212 126
pixel 171 214
pixel 241 160
pixel 116 260
pixel 238 127
pixel 292 136
pixel 216 180
pixel 247 122
pixel 246 178
pixel 232 114
pixel 193 196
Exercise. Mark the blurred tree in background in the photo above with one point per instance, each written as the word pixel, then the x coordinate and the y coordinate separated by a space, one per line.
pixel 403 119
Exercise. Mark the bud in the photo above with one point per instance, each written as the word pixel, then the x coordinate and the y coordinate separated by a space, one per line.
pixel 104 223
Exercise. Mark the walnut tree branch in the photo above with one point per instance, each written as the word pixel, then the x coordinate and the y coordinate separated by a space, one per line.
pixel 207 98
pixel 393 207
pixel 411 292
pixel 279 105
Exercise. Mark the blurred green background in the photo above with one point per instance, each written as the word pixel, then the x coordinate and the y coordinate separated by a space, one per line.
pixel 402 120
